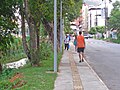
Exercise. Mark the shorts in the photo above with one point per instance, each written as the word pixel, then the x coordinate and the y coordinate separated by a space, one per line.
pixel 80 50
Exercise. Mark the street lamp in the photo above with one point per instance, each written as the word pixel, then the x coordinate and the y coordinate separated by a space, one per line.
pixel 55 35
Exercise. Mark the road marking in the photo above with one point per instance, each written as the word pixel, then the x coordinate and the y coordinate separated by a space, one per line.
pixel 77 83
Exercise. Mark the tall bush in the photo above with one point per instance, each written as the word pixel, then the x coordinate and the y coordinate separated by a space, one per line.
pixel 99 29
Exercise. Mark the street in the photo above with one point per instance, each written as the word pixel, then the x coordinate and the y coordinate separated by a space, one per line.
pixel 104 58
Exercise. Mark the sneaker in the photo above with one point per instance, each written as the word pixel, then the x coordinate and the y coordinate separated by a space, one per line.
pixel 80 61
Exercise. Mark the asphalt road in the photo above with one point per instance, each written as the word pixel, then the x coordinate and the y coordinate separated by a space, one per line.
pixel 104 58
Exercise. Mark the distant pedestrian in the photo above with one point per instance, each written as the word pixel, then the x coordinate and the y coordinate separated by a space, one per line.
pixel 69 40
pixel 80 46
pixel 66 42
pixel 75 42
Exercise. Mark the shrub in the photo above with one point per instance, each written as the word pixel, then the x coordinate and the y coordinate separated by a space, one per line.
pixel 6 74
pixel 45 50
pixel 94 30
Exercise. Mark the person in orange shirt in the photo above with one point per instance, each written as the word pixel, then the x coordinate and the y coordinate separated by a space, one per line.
pixel 80 46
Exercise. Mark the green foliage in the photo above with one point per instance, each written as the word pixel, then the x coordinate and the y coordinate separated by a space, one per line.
pixel 43 33
pixel 6 41
pixel 12 57
pixel 7 23
pixel 116 40
pixel 37 78
pixel 45 46
pixel 114 20
pixel 7 16
pixel 14 51
pixel 100 29
pixel 41 9
pixel 5 84
pixel 7 73
pixel 45 51
pixel 40 78
pixel 94 30
pixel 72 8
pixel 71 11
pixel 118 35
pixel 44 9
pixel 113 40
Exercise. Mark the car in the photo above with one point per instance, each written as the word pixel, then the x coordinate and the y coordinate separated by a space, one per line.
pixel 86 36
pixel 90 35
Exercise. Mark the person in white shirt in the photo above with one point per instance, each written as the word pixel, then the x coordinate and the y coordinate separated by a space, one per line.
pixel 66 42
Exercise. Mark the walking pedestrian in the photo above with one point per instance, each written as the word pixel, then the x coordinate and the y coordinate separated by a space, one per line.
pixel 75 42
pixel 69 40
pixel 66 42
pixel 80 46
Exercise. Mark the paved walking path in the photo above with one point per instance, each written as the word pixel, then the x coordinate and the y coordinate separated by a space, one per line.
pixel 73 75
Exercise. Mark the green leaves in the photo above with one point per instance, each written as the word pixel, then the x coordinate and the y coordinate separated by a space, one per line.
pixel 99 29
pixel 114 21
pixel 7 23
pixel 72 7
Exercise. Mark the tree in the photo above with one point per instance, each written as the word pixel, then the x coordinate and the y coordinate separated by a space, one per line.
pixel 7 24
pixel 35 12
pixel 114 20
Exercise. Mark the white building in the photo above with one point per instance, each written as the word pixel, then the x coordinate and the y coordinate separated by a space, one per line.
pixel 96 14
pixel 95 17
pixel 85 17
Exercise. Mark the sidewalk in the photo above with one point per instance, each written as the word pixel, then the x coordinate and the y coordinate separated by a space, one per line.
pixel 73 75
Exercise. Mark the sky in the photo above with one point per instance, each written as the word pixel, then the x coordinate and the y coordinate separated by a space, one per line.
pixel 96 2
pixel 92 2
pixel 100 3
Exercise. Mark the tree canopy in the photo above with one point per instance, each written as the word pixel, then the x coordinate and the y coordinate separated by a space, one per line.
pixel 114 20
pixel 7 22
pixel 34 12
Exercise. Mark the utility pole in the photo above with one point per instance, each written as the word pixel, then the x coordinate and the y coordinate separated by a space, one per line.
pixel 96 18
pixel 55 35
pixel 90 19
pixel 106 13
pixel 105 17
pixel 61 29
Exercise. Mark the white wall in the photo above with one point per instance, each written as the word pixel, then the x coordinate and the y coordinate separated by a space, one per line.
pixel 100 19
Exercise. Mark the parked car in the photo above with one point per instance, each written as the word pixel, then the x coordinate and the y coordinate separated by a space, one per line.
pixel 88 36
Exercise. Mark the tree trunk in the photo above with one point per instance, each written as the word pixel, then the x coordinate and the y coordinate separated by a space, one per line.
pixel 58 35
pixel 58 39
pixel 33 37
pixel 33 42
pixel 49 30
pixel 38 42
pixel 25 46
pixel 38 34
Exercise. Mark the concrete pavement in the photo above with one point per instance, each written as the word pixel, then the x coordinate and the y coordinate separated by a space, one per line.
pixel 73 75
